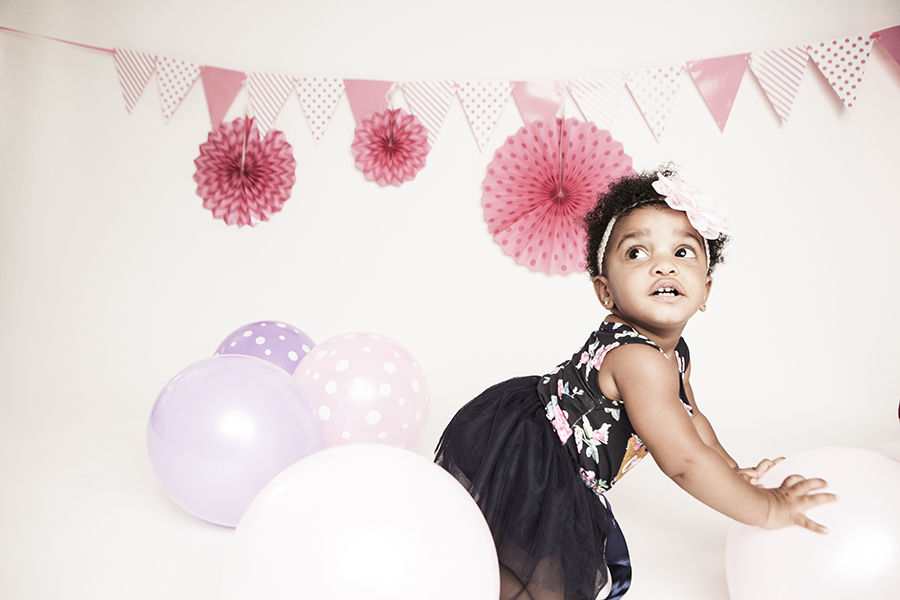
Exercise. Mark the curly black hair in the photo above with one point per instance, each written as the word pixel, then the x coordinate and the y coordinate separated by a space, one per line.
pixel 623 196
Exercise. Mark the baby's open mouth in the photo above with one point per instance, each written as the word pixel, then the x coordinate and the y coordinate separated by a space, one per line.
pixel 666 291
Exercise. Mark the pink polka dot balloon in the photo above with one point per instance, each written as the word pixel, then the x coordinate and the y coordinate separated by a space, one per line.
pixel 275 342
pixel 365 388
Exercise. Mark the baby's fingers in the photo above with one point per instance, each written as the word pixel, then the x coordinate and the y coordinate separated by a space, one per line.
pixel 804 521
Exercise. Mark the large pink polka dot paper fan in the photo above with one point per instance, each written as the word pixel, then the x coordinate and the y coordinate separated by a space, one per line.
pixel 541 183
pixel 244 178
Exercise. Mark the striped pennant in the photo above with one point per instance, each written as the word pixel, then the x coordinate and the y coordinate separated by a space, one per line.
pixel 135 70
pixel 779 73
pixel 599 98
pixel 654 92
pixel 843 63
pixel 319 96
pixel 175 79
pixel 483 101
pixel 430 101
pixel 268 93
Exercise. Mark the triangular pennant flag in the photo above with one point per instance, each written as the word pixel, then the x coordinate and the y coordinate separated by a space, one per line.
pixel 843 63
pixel 779 73
pixel 268 93
pixel 221 87
pixel 654 92
pixel 319 97
pixel 483 101
pixel 135 70
pixel 367 96
pixel 718 80
pixel 599 98
pixel 890 39
pixel 175 79
pixel 537 100
pixel 430 101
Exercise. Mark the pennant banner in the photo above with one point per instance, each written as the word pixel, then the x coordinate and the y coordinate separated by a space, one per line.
pixel 175 79
pixel 367 96
pixel 779 73
pixel 599 98
pixel 718 80
pixel 319 96
pixel 843 63
pixel 538 100
pixel 890 39
pixel 430 101
pixel 135 70
pixel 654 92
pixel 221 87
pixel 483 101
pixel 268 93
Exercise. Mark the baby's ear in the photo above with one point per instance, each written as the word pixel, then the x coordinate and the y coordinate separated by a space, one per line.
pixel 601 288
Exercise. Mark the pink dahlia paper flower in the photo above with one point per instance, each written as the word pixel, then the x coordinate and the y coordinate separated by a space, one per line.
pixel 390 146
pixel 242 178
pixel 702 210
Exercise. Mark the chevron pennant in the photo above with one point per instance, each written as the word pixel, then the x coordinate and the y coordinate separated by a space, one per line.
pixel 430 101
pixel 599 98
pixel 268 93
pixel 319 96
pixel 175 79
pixel 135 70
pixel 779 73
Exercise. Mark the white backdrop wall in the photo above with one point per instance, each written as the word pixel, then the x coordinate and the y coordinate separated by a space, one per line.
pixel 113 277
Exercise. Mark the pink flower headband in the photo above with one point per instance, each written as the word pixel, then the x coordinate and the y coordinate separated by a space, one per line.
pixel 702 212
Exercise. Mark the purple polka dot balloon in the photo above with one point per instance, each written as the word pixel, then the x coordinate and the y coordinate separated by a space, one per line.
pixel 276 342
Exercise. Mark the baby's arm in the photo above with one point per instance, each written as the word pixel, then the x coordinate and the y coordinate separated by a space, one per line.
pixel 648 385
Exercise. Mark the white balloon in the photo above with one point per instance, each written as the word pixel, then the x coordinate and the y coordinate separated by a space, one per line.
pixel 362 521
pixel 858 558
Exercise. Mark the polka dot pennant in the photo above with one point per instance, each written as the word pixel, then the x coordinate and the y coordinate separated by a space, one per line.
pixel 843 63
pixel 779 73
pixel 319 96
pixel 654 91
pixel 483 101
pixel 276 342
pixel 599 98
pixel 365 388
pixel 175 79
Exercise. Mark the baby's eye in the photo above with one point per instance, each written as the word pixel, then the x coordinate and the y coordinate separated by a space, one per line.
pixel 634 253
pixel 685 252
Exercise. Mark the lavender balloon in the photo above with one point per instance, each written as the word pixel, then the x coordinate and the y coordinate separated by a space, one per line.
pixel 222 428
pixel 273 341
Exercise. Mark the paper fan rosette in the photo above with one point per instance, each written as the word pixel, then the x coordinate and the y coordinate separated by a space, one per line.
pixel 390 146
pixel 243 178
pixel 541 183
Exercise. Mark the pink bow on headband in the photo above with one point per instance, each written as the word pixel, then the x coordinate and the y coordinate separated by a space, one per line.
pixel 702 210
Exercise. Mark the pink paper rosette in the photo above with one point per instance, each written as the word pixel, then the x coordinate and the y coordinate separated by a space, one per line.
pixel 541 183
pixel 390 146
pixel 242 178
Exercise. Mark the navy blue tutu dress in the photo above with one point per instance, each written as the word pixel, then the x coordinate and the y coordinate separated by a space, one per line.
pixel 537 453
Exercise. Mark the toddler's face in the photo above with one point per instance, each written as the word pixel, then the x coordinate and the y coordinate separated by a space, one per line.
pixel 655 276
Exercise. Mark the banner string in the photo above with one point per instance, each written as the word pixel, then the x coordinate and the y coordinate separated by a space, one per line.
pixel 47 37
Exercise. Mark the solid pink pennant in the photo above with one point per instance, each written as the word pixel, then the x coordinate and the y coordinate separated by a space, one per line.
pixel 599 98
pixel 718 80
pixel 367 96
pixel 134 70
pixel 843 63
pixel 654 92
pixel 221 87
pixel 319 96
pixel 430 102
pixel 538 100
pixel 779 73
pixel 268 93
pixel 483 101
pixel 175 79
pixel 890 39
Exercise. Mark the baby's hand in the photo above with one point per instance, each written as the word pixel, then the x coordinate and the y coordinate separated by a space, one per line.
pixel 788 503
pixel 752 474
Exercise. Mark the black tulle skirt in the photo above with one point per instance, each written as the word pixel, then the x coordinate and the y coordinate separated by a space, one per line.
pixel 550 529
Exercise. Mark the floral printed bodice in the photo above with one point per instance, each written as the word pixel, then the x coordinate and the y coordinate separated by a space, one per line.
pixel 595 429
